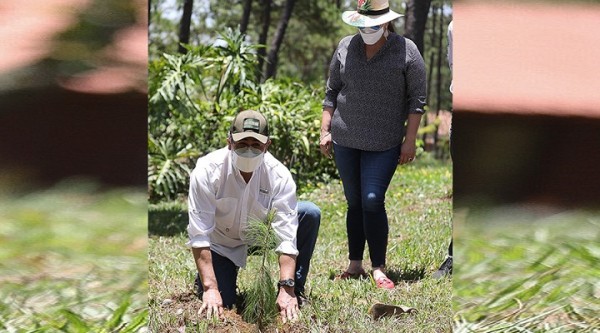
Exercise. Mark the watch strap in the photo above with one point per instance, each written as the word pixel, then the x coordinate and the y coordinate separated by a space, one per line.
pixel 286 283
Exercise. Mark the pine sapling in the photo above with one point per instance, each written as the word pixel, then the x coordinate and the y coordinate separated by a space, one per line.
pixel 261 295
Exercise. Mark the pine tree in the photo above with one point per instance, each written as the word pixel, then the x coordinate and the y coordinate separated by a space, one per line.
pixel 261 296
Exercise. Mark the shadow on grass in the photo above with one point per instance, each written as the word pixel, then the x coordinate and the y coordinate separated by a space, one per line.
pixel 167 221
pixel 407 275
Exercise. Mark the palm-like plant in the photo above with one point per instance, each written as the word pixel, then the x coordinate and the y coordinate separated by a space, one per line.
pixel 237 61
pixel 175 78
pixel 168 167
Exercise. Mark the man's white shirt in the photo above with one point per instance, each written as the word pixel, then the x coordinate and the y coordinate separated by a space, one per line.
pixel 220 204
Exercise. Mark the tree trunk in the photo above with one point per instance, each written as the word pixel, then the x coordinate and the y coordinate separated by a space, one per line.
pixel 432 55
pixel 276 45
pixel 439 61
pixel 264 33
pixel 431 61
pixel 184 26
pixel 416 20
pixel 246 16
pixel 440 51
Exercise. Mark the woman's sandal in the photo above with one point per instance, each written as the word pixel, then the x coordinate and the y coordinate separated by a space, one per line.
pixel 347 275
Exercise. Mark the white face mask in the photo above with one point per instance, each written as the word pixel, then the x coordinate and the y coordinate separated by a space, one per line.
pixel 247 159
pixel 373 37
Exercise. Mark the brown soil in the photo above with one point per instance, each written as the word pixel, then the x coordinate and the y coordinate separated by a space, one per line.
pixel 187 305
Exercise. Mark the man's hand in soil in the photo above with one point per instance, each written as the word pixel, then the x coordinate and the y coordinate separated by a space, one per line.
pixel 288 304
pixel 212 303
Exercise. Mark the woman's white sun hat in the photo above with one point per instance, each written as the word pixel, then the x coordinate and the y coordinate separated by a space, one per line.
pixel 370 13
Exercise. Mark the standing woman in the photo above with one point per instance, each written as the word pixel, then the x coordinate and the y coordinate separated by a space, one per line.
pixel 371 113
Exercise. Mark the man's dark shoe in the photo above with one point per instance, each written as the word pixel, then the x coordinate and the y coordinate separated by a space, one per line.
pixel 444 270
pixel 302 301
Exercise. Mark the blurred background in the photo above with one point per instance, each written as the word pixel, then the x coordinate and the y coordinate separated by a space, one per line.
pixel 526 143
pixel 73 91
pixel 73 136
pixel 527 125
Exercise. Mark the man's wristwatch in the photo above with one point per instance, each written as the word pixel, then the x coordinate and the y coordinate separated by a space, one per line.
pixel 286 283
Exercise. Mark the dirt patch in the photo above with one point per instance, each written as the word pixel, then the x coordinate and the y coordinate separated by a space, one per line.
pixel 186 306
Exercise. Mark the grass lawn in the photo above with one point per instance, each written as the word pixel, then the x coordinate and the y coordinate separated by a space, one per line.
pixel 419 205
pixel 74 259
pixel 527 269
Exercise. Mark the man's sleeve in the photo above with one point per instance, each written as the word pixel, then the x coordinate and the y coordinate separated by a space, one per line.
pixel 286 219
pixel 201 209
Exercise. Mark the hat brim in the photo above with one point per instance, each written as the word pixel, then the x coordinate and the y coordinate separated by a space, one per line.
pixel 353 18
pixel 240 136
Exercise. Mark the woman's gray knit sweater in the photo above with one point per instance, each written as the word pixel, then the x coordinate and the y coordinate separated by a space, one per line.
pixel 372 99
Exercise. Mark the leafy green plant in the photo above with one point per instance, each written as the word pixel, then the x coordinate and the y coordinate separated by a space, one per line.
pixel 237 62
pixel 260 305
pixel 193 98
pixel 168 167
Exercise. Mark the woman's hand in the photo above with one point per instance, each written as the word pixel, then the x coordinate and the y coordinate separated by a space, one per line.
pixel 288 304
pixel 407 151
pixel 326 144
pixel 212 303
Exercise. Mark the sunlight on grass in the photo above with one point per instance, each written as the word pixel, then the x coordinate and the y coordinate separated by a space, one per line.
pixel 74 259
pixel 419 205
pixel 527 269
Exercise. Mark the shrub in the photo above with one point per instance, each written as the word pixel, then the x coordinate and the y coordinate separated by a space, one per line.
pixel 193 99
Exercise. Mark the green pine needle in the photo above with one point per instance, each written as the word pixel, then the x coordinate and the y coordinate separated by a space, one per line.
pixel 261 295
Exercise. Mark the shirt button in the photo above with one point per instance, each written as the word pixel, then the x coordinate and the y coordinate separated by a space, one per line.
pixel 227 229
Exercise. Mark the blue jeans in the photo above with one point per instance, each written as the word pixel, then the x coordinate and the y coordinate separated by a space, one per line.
pixel 366 176
pixel 309 220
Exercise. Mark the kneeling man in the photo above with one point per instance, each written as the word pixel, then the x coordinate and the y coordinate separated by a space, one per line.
pixel 227 188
